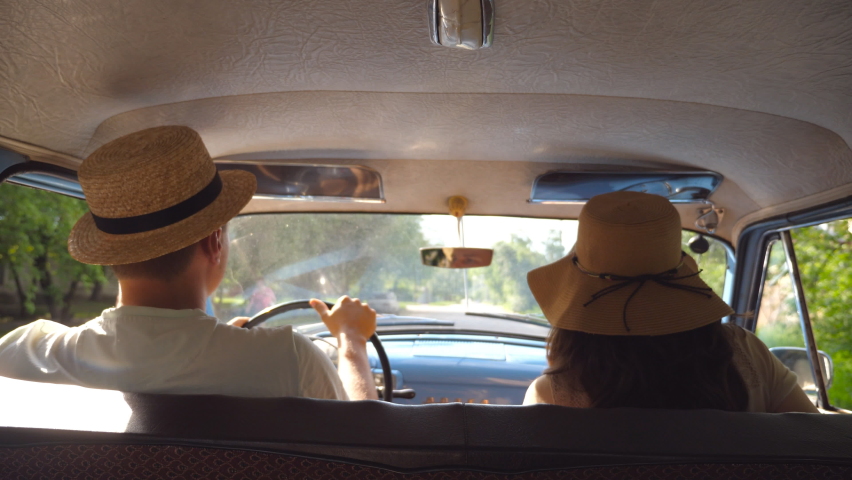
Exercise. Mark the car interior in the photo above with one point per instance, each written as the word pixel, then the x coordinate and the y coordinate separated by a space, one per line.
pixel 457 141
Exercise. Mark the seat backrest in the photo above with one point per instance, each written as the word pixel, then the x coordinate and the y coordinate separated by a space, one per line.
pixel 37 419
pixel 180 461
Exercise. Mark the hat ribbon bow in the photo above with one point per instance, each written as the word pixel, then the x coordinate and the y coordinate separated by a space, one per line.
pixel 665 279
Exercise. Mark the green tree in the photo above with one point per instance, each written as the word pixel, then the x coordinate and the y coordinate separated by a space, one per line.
pixel 778 324
pixel 34 228
pixel 442 285
pixel 505 281
pixel 329 254
pixel 553 247
pixel 713 263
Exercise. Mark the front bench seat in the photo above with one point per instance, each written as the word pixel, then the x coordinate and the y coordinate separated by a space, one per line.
pixel 74 431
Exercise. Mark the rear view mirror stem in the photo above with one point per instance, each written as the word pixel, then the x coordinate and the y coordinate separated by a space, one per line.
pixel 458 206
pixel 461 256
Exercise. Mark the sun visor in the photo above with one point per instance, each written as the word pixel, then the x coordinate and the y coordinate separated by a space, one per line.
pixel 319 183
pixel 579 187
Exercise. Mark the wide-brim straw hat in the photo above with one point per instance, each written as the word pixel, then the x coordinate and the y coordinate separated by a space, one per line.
pixel 153 192
pixel 627 274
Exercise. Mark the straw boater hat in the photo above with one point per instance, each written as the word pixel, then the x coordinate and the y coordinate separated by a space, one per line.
pixel 151 193
pixel 627 274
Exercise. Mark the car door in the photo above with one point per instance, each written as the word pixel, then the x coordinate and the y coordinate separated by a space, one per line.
pixel 806 304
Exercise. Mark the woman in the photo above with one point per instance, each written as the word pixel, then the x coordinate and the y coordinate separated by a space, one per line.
pixel 635 326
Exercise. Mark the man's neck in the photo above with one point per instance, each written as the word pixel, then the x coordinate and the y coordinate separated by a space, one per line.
pixel 178 294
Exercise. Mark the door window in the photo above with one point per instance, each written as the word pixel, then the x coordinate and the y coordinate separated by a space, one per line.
pixel 824 255
pixel 778 322
pixel 38 278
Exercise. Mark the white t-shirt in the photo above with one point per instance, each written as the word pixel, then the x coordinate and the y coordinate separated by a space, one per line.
pixel 767 380
pixel 155 350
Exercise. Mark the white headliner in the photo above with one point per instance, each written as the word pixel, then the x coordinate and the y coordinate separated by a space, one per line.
pixel 760 91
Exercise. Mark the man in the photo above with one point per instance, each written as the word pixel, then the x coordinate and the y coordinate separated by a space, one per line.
pixel 262 298
pixel 159 210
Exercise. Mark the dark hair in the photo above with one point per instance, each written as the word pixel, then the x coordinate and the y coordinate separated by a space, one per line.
pixel 686 370
pixel 166 267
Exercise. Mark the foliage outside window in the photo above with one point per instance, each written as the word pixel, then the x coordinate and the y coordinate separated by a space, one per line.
pixel 824 254
pixel 280 257
pixel 284 257
pixel 713 263
pixel 41 278
pixel 778 322
pixel 505 282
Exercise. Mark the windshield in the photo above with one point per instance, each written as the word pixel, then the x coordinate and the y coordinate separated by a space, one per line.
pixel 277 258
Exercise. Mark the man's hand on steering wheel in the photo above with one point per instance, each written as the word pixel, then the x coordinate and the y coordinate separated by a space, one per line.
pixel 238 322
pixel 353 323
pixel 348 318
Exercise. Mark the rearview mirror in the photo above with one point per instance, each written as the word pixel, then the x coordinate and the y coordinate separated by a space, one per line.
pixel 456 257
pixel 796 359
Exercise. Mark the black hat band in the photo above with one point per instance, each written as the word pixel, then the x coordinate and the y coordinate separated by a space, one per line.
pixel 162 218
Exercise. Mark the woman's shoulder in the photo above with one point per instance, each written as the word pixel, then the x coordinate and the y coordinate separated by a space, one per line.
pixel 747 341
pixel 735 330
pixel 749 352
pixel 764 375
pixel 539 391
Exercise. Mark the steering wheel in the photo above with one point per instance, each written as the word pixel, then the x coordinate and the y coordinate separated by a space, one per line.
pixel 266 314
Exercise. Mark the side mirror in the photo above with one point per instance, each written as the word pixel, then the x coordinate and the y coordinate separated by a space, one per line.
pixel 456 257
pixel 796 359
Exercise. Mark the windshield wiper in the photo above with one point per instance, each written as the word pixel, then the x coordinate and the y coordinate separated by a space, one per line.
pixel 512 316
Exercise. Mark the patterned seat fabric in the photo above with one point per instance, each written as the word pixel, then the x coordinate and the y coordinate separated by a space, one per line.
pixel 183 462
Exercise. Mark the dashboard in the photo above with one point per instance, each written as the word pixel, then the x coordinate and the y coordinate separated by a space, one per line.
pixel 454 361
pixel 444 368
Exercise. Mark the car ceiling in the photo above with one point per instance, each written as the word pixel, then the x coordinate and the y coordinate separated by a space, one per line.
pixel 759 91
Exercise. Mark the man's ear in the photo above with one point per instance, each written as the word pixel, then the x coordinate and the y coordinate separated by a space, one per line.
pixel 212 246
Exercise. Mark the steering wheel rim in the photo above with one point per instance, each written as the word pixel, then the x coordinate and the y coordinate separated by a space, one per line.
pixel 266 314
